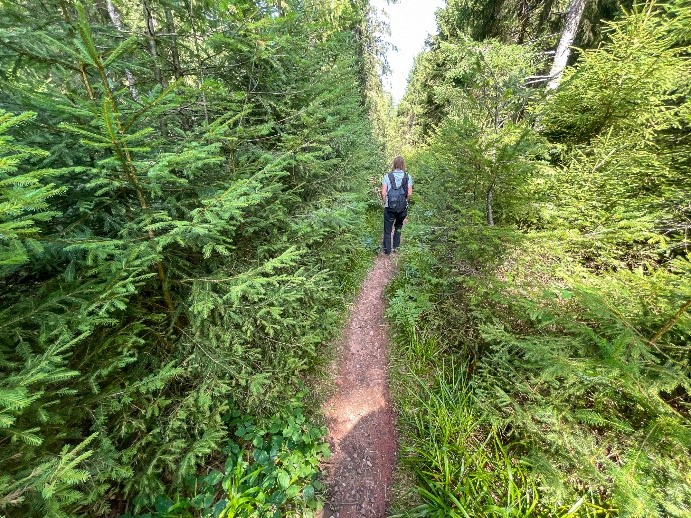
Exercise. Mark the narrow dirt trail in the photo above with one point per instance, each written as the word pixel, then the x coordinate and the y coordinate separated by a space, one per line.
pixel 360 416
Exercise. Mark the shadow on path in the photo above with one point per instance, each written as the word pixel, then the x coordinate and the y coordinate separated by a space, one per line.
pixel 360 416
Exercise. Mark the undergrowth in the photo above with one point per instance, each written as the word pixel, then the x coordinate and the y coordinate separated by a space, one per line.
pixel 549 399
pixel 271 469
pixel 541 311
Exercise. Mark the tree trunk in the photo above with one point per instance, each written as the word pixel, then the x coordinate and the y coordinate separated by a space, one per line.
pixel 150 25
pixel 122 152
pixel 153 47
pixel 175 55
pixel 488 201
pixel 543 18
pixel 200 61
pixel 561 57
pixel 524 18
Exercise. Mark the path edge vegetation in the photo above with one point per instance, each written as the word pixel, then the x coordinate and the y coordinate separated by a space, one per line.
pixel 540 362
pixel 184 190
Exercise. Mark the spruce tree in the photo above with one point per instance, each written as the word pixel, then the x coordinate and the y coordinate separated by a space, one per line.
pixel 181 243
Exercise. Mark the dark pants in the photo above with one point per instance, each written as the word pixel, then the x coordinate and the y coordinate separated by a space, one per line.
pixel 395 220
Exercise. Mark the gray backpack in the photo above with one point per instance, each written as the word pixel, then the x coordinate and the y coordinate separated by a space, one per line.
pixel 398 196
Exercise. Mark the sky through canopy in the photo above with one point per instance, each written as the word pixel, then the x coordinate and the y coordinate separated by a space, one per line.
pixel 411 22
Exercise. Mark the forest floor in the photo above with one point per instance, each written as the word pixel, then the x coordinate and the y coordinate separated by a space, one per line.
pixel 360 415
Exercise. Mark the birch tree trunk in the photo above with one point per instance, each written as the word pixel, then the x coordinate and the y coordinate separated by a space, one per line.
pixel 489 200
pixel 561 56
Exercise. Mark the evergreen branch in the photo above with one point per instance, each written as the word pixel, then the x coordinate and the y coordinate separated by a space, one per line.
pixel 670 323
pixel 146 107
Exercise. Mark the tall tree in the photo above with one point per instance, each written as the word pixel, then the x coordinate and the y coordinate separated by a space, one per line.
pixel 181 225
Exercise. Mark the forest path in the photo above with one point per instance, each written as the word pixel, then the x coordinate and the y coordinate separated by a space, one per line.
pixel 360 416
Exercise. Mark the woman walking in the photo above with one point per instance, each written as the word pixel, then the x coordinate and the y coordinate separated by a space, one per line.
pixel 396 191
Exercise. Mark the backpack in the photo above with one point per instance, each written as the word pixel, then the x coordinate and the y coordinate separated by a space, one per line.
pixel 398 196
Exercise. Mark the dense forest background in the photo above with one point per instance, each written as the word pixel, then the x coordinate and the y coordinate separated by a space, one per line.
pixel 183 192
pixel 542 308
pixel 186 203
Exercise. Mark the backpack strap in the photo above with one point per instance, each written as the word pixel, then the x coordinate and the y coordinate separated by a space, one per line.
pixel 404 184
pixel 392 181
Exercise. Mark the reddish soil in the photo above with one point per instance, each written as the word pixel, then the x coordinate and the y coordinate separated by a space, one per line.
pixel 360 416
